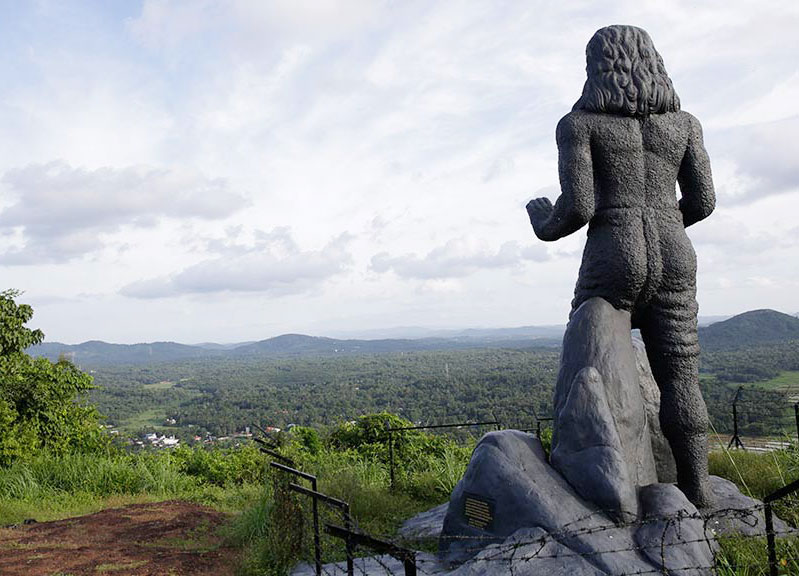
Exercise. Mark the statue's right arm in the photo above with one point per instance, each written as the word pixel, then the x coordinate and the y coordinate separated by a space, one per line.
pixel 698 199
pixel 575 206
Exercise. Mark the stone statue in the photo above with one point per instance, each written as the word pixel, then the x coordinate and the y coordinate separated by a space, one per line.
pixel 603 501
pixel 622 149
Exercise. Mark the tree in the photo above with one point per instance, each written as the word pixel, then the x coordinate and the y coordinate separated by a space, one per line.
pixel 43 405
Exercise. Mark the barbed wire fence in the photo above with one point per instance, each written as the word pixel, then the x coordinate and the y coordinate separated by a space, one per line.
pixel 522 554
pixel 321 532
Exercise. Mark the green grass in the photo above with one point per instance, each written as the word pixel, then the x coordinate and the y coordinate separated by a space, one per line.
pixel 748 556
pixel 163 385
pixel 153 417
pixel 265 517
pixel 47 487
pixel 784 381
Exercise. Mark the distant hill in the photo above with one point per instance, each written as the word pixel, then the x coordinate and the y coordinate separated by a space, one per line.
pixel 753 328
pixel 417 333
pixel 97 353
pixel 290 344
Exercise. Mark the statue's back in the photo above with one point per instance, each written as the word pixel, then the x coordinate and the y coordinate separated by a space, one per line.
pixel 636 160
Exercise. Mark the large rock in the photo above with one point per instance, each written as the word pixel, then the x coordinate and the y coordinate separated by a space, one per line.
pixel 509 488
pixel 426 525
pixel 528 552
pixel 735 513
pixel 589 453
pixel 601 441
pixel 672 533
pixel 509 474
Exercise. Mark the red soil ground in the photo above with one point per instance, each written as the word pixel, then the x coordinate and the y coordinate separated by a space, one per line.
pixel 163 539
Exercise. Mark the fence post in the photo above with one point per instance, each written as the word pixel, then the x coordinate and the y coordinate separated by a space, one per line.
pixel 796 417
pixel 498 425
pixel 315 511
pixel 345 511
pixel 735 438
pixel 772 547
pixel 317 543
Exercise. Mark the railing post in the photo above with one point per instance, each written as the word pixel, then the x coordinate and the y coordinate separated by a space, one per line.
pixel 796 417
pixel 345 511
pixel 772 547
pixel 317 542
pixel 315 510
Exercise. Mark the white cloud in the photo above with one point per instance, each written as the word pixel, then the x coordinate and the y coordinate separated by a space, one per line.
pixel 763 159
pixel 406 125
pixel 274 264
pixel 64 212
pixel 456 259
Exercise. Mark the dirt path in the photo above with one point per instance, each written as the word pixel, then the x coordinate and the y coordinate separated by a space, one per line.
pixel 164 539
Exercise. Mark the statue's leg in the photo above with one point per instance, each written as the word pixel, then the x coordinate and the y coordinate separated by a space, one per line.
pixel 668 327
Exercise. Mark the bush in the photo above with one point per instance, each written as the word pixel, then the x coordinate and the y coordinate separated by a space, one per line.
pixel 43 405
pixel 222 467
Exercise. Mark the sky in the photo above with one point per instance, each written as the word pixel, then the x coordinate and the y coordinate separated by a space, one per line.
pixel 231 170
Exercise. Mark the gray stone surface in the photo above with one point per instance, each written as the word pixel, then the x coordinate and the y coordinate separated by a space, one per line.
pixel 588 451
pixel 734 513
pixel 425 525
pixel 600 440
pixel 621 152
pixel 528 552
pixel 673 535
pixel 383 565
pixel 509 469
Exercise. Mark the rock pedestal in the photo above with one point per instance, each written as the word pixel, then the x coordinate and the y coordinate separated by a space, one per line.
pixel 601 435
pixel 602 495
pixel 511 499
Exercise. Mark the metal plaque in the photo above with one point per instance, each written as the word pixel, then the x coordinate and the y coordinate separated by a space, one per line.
pixel 479 511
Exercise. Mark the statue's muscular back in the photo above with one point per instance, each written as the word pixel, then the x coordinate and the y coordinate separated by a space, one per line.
pixel 636 159
pixel 637 247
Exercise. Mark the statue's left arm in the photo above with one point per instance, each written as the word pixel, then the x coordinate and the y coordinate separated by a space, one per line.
pixel 696 182
pixel 575 206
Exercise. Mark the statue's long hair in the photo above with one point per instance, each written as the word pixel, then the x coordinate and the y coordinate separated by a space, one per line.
pixel 626 75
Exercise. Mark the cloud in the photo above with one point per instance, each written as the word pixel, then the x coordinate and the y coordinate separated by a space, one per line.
pixel 64 212
pixel 273 264
pixel 175 27
pixel 763 157
pixel 456 259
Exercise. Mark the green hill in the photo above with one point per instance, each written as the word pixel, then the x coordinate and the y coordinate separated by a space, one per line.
pixel 754 328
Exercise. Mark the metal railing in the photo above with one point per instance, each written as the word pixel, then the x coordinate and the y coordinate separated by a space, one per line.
pixel 315 509
pixel 352 539
pixel 391 431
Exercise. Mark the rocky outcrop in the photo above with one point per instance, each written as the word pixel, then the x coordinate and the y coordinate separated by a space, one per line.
pixel 510 488
pixel 601 435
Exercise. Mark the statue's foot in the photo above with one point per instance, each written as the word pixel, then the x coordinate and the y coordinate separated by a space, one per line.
pixel 698 492
pixel 690 455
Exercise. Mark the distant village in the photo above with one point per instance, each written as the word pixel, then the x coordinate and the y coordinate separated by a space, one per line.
pixel 162 440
